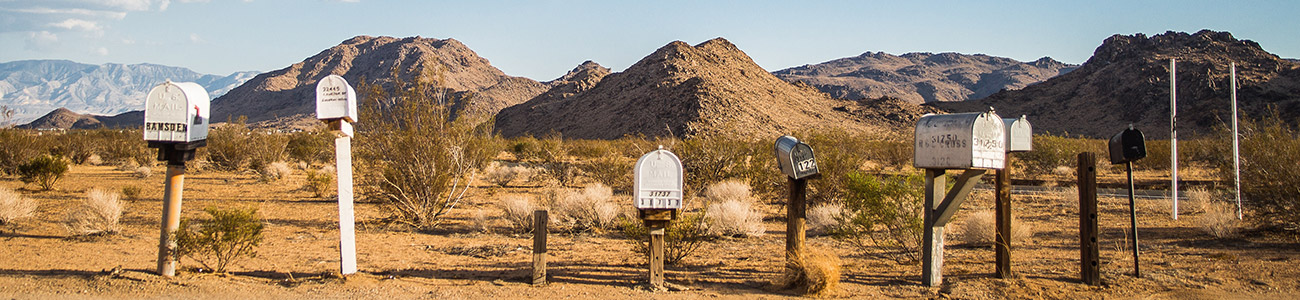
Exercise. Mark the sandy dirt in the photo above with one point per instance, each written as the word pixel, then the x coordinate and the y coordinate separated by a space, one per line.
pixel 299 258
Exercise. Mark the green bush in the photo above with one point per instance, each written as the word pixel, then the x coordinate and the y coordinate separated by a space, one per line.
pixel 884 212
pixel 1270 179
pixel 233 146
pixel 310 147
pixel 18 147
pixel 613 171
pixel 682 237
pixel 1054 151
pixel 215 243
pixel 44 170
pixel 319 182
pixel 711 158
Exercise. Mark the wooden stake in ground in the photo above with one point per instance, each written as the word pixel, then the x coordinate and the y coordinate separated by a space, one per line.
pixel 1089 247
pixel 540 230
pixel 336 105
pixel 1002 242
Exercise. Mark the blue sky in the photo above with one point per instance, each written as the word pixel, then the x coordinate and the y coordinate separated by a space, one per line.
pixel 544 39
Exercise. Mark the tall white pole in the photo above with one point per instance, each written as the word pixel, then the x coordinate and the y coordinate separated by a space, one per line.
pixel 1236 158
pixel 347 218
pixel 1173 133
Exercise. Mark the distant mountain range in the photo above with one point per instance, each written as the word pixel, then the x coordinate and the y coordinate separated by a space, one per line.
pixel 923 77
pixel 35 87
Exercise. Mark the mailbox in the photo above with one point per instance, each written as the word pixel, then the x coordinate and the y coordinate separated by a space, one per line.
pixel 1020 135
pixel 960 141
pixel 657 181
pixel 176 112
pixel 335 99
pixel 795 158
pixel 1127 146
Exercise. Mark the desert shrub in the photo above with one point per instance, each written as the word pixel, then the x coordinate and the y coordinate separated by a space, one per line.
pixel 591 209
pixel 526 148
pixel 120 146
pixel 1220 219
pixel 730 211
pixel 319 182
pixel 815 272
pixel 273 172
pixel 44 170
pixel 310 147
pixel 590 148
pixel 503 174
pixel 884 212
pixel 1052 151
pixel 94 160
pixel 611 170
pixel 415 157
pixel 143 172
pixel 1198 200
pixel 980 229
pixel 1270 180
pixel 554 159
pixel 234 146
pixel 518 212
pixel 839 153
pixel 1069 197
pixel 824 219
pixel 681 238
pixel 17 147
pixel 98 214
pixel 711 158
pixel 14 206
pixel 131 192
pixel 224 238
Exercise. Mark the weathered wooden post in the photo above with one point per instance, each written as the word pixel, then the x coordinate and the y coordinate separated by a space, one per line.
pixel 175 122
pixel 1019 139
pixel 336 105
pixel 798 163
pixel 657 187
pixel 1125 147
pixel 540 219
pixel 1089 247
pixel 973 142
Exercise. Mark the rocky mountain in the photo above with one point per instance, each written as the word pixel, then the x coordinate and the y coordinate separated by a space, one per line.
pixel 1127 81
pixel 36 87
pixel 923 77
pixel 290 92
pixel 686 90
pixel 63 118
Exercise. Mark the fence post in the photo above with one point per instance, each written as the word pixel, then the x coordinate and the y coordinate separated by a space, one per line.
pixel 1089 247
pixel 540 230
pixel 1002 243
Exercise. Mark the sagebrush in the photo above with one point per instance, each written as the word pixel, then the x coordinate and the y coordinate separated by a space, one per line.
pixel 225 237
pixel 44 170
pixel 14 206
pixel 99 214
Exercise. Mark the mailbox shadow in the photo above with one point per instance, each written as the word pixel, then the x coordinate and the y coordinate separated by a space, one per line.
pixel 66 273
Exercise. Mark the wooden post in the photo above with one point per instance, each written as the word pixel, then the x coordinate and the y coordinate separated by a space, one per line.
pixel 932 249
pixel 171 219
pixel 657 229
pixel 540 230
pixel 1089 247
pixel 1133 223
pixel 1002 243
pixel 795 227
pixel 347 217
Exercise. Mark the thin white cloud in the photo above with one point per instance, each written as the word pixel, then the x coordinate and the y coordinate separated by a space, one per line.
pixel 101 51
pixel 41 41
pixel 78 24
pixel 195 38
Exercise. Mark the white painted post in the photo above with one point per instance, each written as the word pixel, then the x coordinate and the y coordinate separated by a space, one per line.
pixel 347 217
pixel 1173 133
pixel 1236 158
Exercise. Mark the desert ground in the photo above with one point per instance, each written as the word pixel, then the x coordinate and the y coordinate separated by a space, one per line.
pixel 467 260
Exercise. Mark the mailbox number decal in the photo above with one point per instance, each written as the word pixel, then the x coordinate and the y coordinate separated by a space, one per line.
pixel 334 93
pixel 806 165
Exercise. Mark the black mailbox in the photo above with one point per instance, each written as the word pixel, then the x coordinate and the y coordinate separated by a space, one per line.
pixel 1127 146
pixel 795 158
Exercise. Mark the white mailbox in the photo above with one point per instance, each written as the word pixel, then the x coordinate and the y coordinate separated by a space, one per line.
pixel 1020 135
pixel 960 141
pixel 176 112
pixel 335 99
pixel 657 181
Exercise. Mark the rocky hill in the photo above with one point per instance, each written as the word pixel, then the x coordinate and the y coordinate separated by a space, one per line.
pixel 685 90
pixel 36 87
pixel 1127 81
pixel 923 77
pixel 290 92
pixel 63 118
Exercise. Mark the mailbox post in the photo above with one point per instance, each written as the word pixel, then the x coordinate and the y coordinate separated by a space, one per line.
pixel 176 123
pixel 974 142
pixel 798 163
pixel 1019 139
pixel 657 187
pixel 336 105
pixel 1125 147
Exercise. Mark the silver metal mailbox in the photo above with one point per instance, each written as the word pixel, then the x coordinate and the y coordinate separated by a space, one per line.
pixel 657 181
pixel 335 99
pixel 795 158
pixel 1020 134
pixel 960 141
pixel 176 112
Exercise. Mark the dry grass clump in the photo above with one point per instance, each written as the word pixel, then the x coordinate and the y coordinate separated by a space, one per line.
pixel 591 209
pixel 142 172
pixel 131 192
pixel 824 219
pixel 128 165
pixel 275 171
pixel 731 212
pixel 1198 200
pixel 980 229
pixel 319 182
pixel 14 206
pixel 1069 197
pixel 93 160
pixel 98 214
pixel 1220 219
pixel 503 175
pixel 518 210
pixel 815 273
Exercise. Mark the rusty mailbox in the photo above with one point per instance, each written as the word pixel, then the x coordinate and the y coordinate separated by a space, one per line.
pixel 960 141
pixel 796 158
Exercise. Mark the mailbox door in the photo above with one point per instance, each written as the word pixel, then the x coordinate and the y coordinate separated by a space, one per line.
pixel 657 181
pixel 803 162
pixel 176 112
pixel 335 99
pixel 1019 134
